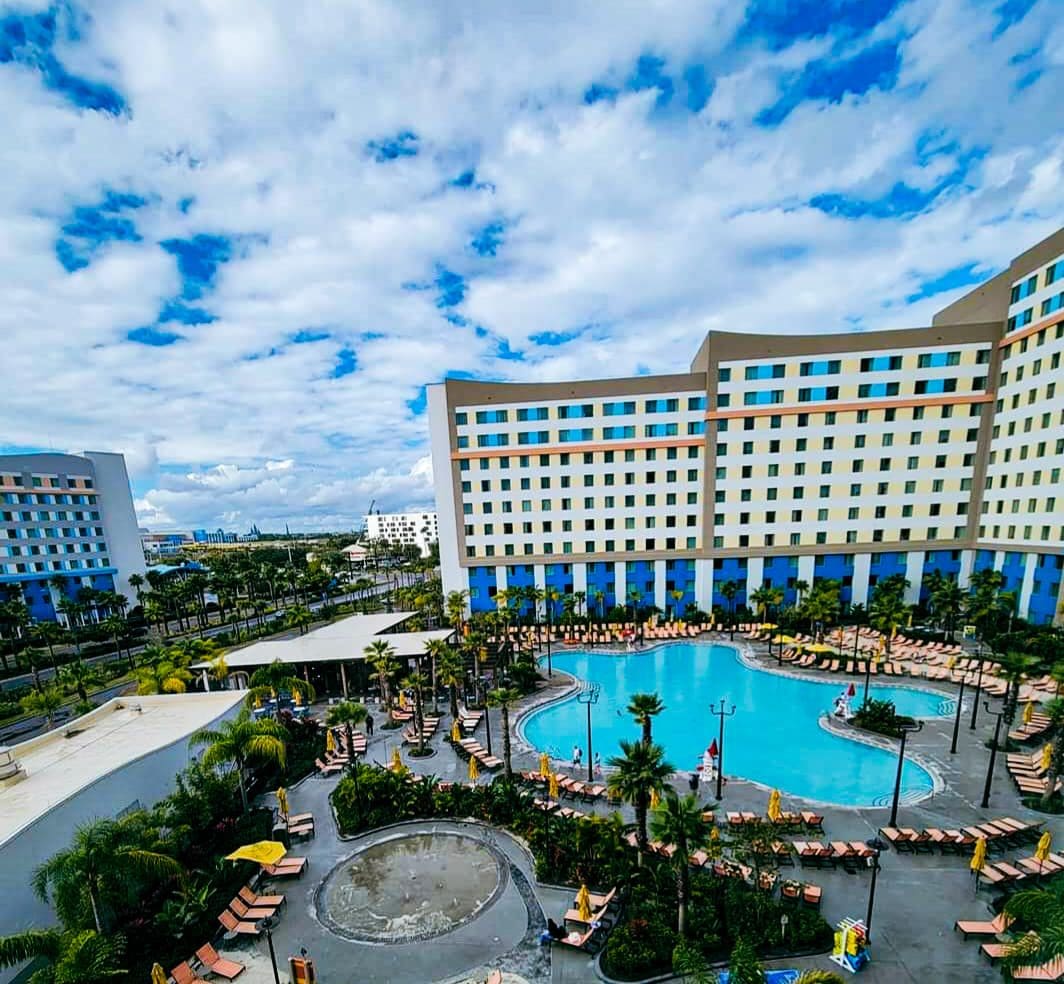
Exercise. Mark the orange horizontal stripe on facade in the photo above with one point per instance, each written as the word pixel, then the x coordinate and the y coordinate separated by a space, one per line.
pixel 778 410
pixel 530 449
pixel 1054 319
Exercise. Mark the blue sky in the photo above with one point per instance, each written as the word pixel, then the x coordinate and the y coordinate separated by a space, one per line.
pixel 240 242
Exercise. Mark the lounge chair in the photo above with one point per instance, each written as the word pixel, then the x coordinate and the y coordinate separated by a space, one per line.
pixel 328 769
pixel 286 867
pixel 1051 971
pixel 184 974
pixel 601 901
pixel 236 927
pixel 216 964
pixel 974 927
pixel 811 895
pixel 244 911
pixel 600 916
pixel 579 941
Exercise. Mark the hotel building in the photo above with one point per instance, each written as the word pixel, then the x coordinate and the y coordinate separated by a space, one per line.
pixel 776 459
pixel 419 529
pixel 66 517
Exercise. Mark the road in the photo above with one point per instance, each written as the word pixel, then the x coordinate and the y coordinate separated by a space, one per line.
pixel 30 727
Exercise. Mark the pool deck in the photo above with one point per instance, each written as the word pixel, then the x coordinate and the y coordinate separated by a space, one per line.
pixel 918 897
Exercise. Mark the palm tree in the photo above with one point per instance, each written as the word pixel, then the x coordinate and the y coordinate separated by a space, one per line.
pixel 349 714
pixel 679 821
pixel 32 659
pixel 644 708
pixel 416 682
pixel 240 742
pixel 299 617
pixel 381 656
pixel 818 977
pixel 436 650
pixel 765 598
pixel 456 607
pixel 167 677
pixel 600 600
pixel 275 677
pixel 821 606
pixel 73 956
pixel 98 865
pixel 451 672
pixel 638 771
pixel 801 587
pixel 80 676
pixel 44 702
pixel 502 698
pixel 1013 663
pixel 886 612
pixel 116 627
pixel 743 965
pixel 1042 911
pixel 49 634
pixel 677 597
pixel 729 591
pixel 1054 710
pixel 948 600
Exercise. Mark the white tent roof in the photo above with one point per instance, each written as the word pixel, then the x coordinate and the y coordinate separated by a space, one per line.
pixel 340 641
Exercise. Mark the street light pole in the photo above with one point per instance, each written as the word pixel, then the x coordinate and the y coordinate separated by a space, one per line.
pixel 957 719
pixel 873 863
pixel 993 754
pixel 905 732
pixel 589 697
pixel 978 686
pixel 722 714
pixel 269 924
pixel 487 725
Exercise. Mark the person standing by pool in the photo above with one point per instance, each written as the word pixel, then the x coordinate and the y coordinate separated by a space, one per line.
pixel 598 764
pixel 578 755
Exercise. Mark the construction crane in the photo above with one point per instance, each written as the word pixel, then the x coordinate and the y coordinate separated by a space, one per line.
pixel 369 512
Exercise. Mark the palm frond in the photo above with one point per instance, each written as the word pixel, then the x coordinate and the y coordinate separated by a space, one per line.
pixel 17 949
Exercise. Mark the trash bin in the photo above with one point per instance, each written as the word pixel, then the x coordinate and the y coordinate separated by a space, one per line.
pixel 692 782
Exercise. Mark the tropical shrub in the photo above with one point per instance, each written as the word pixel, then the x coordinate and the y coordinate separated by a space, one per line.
pixel 881 717
pixel 638 948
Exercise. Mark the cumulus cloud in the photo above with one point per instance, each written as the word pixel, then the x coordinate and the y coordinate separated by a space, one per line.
pixel 239 241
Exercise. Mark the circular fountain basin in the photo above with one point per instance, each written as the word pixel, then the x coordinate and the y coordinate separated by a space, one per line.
pixel 411 887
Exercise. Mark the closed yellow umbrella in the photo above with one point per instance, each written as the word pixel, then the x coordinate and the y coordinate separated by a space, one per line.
pixel 330 742
pixel 979 855
pixel 1047 755
pixel 655 799
pixel 261 852
pixel 474 772
pixel 1044 843
pixel 158 975
pixel 258 703
pixel 397 759
pixel 784 640
pixel 544 765
pixel 583 907
pixel 774 805
pixel 1028 712
pixel 583 895
pixel 297 699
pixel 552 788
pixel 456 733
pixel 402 701
pixel 282 801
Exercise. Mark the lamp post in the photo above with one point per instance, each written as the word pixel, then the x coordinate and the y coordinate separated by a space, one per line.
pixel 978 685
pixel 487 725
pixel 269 924
pixel 722 714
pixel 589 696
pixel 906 730
pixel 957 719
pixel 873 863
pixel 993 753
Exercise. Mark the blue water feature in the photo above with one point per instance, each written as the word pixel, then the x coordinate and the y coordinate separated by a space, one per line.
pixel 771 977
pixel 774 738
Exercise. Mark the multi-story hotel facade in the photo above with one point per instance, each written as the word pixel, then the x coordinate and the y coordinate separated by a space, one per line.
pixel 419 529
pixel 66 522
pixel 777 459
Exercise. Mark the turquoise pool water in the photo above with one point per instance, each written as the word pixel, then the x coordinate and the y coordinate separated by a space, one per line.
pixel 774 737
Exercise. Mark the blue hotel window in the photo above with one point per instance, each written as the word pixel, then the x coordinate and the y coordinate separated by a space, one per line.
pixel 532 413
pixel 776 371
pixel 1020 320
pixel 492 416
pixel 936 386
pixel 617 433
pixel 724 375
pixel 763 397
pixel 696 403
pixel 618 409
pixel 696 427
pixel 662 406
pixel 493 440
pixel 1026 289
pixel 461 417
pixel 877 389
pixel 723 399
pixel 575 411
pixel 818 394
pixel 938 360
pixel 576 434
pixel 826 367
pixel 463 442
pixel 659 430
pixel 881 363
pixel 1051 304
pixel 533 437
pixel 1054 272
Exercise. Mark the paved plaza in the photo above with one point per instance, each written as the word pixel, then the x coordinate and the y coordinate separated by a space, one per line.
pixel 918 897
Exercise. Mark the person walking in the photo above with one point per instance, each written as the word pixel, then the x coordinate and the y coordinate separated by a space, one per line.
pixel 369 725
pixel 598 764
pixel 578 755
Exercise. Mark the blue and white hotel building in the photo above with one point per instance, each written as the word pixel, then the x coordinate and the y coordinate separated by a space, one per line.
pixel 70 518
pixel 776 459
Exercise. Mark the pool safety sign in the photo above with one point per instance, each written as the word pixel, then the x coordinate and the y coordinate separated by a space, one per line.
pixel 851 948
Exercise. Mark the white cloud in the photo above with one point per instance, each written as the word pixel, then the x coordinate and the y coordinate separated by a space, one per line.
pixel 634 227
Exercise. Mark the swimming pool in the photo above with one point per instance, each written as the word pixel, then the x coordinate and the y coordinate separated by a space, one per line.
pixel 774 737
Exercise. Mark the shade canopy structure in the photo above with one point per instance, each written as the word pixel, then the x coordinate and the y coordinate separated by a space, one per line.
pixel 818 647
pixel 785 640
pixel 261 852
pixel 766 626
